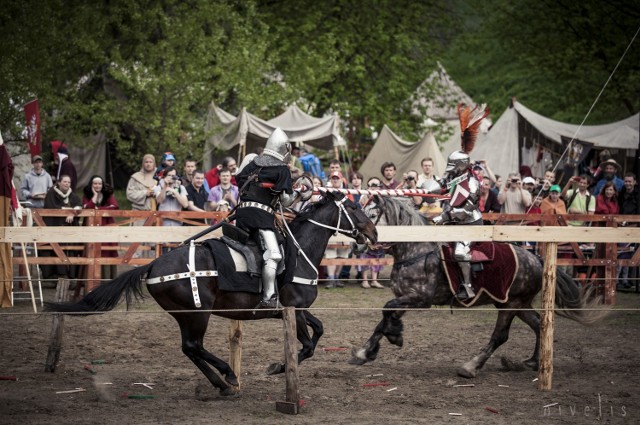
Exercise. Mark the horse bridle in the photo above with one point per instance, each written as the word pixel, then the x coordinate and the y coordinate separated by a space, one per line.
pixel 354 233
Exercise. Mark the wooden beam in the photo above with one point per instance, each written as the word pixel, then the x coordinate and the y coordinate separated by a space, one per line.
pixel 292 401
pixel 66 234
pixel 57 328
pixel 235 348
pixel 545 373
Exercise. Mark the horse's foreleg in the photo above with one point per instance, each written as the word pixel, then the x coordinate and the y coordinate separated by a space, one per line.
pixel 390 326
pixel 308 344
pixel 193 328
pixel 500 336
pixel 532 318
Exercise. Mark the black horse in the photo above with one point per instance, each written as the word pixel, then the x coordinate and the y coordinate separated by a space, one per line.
pixel 312 229
pixel 419 281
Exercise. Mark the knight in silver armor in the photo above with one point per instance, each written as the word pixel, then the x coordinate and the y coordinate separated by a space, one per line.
pixel 265 184
pixel 460 182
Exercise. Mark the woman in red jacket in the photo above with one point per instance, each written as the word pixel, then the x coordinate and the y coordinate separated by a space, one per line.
pixel 607 200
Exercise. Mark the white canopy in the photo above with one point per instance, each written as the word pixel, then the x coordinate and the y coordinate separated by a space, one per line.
pixel 228 131
pixel 504 145
pixel 404 155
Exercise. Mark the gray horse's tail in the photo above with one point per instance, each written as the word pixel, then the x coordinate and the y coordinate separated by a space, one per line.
pixel 577 303
pixel 106 296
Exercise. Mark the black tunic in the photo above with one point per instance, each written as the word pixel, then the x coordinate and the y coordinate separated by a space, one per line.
pixel 253 219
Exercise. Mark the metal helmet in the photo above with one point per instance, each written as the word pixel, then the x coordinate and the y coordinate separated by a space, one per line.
pixel 278 145
pixel 457 163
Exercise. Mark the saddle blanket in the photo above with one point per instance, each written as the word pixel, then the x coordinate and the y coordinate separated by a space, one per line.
pixel 232 268
pixel 232 275
pixel 499 263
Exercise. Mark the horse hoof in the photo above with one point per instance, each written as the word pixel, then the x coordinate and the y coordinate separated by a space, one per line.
pixel 357 361
pixel 231 380
pixel 531 364
pixel 396 340
pixel 466 373
pixel 275 369
pixel 229 392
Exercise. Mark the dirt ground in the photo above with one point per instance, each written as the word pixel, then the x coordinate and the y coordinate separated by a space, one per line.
pixel 595 378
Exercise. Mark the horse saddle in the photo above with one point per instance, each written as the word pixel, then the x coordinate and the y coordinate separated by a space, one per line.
pixel 239 260
pixel 493 268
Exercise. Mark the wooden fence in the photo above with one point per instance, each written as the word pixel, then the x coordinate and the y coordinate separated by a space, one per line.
pixel 594 248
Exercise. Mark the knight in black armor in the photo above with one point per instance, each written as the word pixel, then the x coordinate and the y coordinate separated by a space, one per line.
pixel 460 181
pixel 265 182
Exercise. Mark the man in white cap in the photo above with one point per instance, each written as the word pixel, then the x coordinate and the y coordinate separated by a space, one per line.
pixel 36 184
pixel 264 183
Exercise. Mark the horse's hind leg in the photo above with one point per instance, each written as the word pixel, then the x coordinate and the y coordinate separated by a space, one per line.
pixel 500 336
pixel 532 318
pixel 303 318
pixel 390 326
pixel 193 327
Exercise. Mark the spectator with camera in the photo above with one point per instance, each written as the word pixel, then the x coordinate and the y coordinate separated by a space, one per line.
pixel 411 182
pixel 513 198
pixel 170 194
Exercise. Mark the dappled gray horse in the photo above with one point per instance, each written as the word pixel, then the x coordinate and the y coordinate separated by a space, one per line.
pixel 419 280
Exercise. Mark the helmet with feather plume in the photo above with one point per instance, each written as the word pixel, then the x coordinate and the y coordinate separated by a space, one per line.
pixel 470 120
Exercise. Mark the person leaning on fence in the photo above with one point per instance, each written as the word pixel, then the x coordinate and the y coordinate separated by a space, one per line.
pixel 374 251
pixel 514 199
pixel 629 204
pixel 36 184
pixel 197 195
pixel 170 195
pixel 98 195
pixel 62 197
pixel 607 200
pixel 464 188
pixel 578 199
pixel 342 251
pixel 553 205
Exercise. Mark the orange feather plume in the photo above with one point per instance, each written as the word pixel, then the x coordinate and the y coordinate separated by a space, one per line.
pixel 470 124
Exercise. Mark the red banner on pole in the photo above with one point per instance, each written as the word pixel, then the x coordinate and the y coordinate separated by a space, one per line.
pixel 32 114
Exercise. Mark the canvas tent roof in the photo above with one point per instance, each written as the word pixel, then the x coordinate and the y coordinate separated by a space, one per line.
pixel 229 131
pixel 501 145
pixel 405 155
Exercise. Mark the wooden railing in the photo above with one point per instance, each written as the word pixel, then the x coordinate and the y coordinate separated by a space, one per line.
pixel 594 247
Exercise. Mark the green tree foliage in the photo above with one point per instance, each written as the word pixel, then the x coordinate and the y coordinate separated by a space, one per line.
pixel 140 72
pixel 361 59
pixel 554 56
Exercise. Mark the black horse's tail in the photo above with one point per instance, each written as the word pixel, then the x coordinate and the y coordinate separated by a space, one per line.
pixel 106 296
pixel 576 303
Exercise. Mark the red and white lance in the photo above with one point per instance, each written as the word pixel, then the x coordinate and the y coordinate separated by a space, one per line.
pixel 382 192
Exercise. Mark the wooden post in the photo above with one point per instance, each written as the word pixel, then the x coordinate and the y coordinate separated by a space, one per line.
pixel 235 348
pixel 611 269
pixel 292 403
pixel 57 328
pixel 545 373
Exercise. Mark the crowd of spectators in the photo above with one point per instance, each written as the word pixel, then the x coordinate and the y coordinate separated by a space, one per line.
pixel 162 188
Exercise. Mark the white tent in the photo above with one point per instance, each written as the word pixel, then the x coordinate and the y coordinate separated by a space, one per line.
pixel 248 131
pixel 404 155
pixel 519 135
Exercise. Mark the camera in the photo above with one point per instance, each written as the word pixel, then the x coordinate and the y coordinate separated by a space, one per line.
pixel 410 178
pixel 514 180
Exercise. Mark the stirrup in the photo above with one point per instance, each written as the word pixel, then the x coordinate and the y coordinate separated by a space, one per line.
pixel 271 303
pixel 465 292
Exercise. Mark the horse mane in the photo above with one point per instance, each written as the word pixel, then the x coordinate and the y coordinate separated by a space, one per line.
pixel 400 212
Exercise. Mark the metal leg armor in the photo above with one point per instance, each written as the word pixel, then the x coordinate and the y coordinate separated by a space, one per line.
pixel 462 254
pixel 272 256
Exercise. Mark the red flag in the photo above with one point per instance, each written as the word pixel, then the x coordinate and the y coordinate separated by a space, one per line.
pixel 32 114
